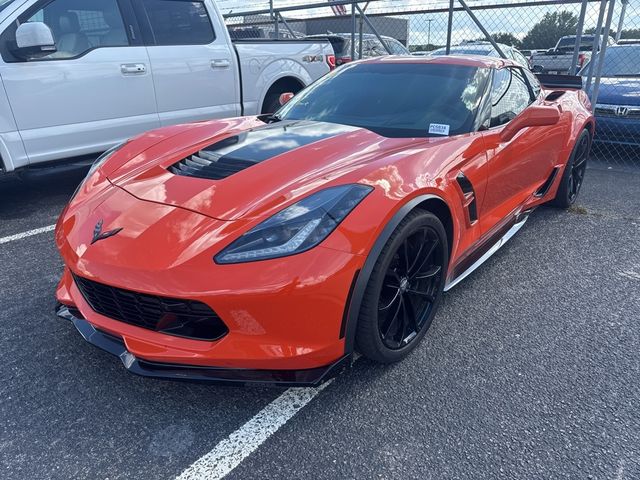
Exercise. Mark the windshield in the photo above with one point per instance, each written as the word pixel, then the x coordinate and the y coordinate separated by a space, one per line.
pixel 394 99
pixel 620 61
pixel 5 3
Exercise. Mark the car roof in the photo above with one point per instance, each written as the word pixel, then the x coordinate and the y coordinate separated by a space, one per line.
pixel 478 61
pixel 348 35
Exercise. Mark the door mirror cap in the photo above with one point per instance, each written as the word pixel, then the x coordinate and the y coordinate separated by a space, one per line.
pixel 34 39
pixel 285 97
pixel 533 116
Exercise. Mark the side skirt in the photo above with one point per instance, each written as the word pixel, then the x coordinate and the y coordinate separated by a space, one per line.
pixel 484 251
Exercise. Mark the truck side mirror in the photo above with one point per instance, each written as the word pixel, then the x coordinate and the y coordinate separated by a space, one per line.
pixel 34 39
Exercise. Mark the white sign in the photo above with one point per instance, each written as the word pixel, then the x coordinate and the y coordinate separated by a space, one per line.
pixel 439 129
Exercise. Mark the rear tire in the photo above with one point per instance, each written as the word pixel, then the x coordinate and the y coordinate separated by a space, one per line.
pixel 404 290
pixel 573 175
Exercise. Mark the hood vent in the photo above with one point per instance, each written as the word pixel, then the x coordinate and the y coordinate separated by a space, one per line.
pixel 206 164
pixel 233 154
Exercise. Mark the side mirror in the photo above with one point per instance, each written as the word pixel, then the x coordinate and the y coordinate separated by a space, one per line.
pixel 285 97
pixel 34 39
pixel 537 69
pixel 534 116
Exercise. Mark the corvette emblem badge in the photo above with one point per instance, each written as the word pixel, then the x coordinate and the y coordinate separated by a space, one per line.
pixel 98 234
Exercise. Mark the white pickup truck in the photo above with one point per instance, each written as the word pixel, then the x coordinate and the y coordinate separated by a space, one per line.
pixel 79 76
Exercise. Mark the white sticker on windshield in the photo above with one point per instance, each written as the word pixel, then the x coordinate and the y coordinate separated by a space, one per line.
pixel 439 129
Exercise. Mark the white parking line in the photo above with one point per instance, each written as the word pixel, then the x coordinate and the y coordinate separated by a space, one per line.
pixel 29 233
pixel 228 454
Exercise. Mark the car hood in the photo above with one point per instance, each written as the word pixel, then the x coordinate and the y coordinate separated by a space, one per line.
pixel 244 167
pixel 619 91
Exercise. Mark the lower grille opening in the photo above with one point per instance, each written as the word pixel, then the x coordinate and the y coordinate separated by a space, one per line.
pixel 173 316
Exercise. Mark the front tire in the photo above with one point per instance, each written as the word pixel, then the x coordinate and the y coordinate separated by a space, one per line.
pixel 404 290
pixel 573 175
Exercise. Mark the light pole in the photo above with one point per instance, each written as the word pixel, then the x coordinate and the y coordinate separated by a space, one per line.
pixel 429 20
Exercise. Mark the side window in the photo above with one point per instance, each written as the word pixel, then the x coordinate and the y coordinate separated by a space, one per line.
pixel 533 82
pixel 78 28
pixel 396 47
pixel 509 95
pixel 179 22
pixel 520 58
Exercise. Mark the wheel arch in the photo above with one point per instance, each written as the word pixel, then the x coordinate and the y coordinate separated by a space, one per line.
pixel 428 202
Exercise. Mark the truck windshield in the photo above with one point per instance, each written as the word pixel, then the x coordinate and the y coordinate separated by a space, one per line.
pixel 586 43
pixel 394 99
pixel 620 61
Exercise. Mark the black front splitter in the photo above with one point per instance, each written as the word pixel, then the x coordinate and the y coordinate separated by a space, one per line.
pixel 194 373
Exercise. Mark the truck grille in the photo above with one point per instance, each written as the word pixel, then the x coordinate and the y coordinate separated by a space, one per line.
pixel 173 316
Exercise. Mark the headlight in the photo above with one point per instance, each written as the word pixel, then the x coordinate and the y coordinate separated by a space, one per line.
pixel 99 161
pixel 297 228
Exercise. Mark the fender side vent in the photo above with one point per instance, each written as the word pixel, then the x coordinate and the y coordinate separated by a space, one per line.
pixel 469 196
pixel 544 188
pixel 556 94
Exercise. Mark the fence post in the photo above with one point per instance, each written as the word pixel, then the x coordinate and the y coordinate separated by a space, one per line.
pixel 603 50
pixel 481 27
pixel 449 27
pixel 353 31
pixel 576 48
pixel 596 43
pixel 621 21
pixel 373 29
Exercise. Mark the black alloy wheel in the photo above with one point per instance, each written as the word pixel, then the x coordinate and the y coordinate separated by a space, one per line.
pixel 574 172
pixel 404 290
pixel 578 167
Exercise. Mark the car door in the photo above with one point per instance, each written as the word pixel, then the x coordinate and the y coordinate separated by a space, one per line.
pixel 191 59
pixel 518 167
pixel 94 91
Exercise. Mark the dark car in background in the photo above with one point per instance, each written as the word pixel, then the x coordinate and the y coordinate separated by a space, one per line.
pixel 617 109
pixel 485 49
pixel 371 46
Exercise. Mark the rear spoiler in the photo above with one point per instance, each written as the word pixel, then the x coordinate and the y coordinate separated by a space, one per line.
pixel 560 81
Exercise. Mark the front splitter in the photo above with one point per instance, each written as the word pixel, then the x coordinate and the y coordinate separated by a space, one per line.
pixel 194 373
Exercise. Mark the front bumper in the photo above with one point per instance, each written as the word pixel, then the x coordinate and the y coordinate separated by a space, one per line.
pixel 195 373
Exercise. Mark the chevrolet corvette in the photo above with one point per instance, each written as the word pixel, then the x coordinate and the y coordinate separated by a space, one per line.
pixel 270 249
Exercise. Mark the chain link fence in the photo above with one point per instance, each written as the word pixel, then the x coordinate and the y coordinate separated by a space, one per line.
pixel 597 39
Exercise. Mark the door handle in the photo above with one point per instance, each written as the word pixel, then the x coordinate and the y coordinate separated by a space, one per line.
pixel 133 68
pixel 220 63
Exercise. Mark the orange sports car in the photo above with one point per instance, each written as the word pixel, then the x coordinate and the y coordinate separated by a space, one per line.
pixel 271 248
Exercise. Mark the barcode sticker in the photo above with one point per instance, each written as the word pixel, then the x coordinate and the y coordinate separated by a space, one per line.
pixel 439 129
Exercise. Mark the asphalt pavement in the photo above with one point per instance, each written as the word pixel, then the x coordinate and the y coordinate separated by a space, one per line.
pixel 530 370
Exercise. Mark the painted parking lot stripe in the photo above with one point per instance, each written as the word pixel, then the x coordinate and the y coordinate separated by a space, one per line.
pixel 228 454
pixel 26 234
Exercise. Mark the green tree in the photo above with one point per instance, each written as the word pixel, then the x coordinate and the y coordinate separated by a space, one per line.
pixel 503 37
pixel 507 39
pixel 546 32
